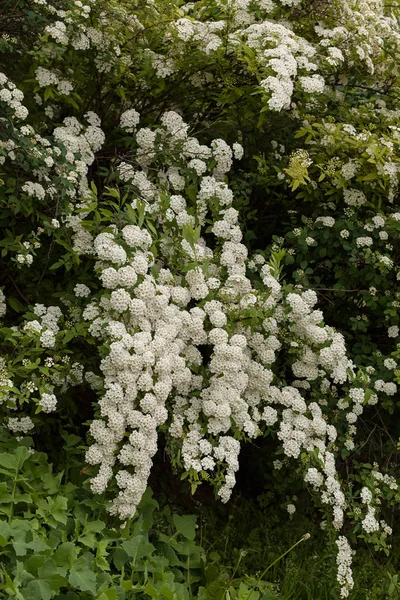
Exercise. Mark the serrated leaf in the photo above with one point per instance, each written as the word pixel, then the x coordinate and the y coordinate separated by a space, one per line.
pixel 66 554
pixel 38 545
pixel 37 590
pixel 56 508
pixel 82 577
pixel 53 575
pixel 138 547
pixel 185 525
pixel 5 496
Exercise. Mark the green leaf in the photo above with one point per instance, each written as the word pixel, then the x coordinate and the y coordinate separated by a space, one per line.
pixel 82 577
pixel 16 304
pixel 38 545
pixel 66 554
pixel 119 558
pixel 5 532
pixel 185 525
pixel 138 547
pixel 53 575
pixel 48 93
pixel 5 497
pixel 54 508
pixel 110 594
pixel 37 590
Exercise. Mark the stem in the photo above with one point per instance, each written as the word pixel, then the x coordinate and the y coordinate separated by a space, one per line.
pixel 13 497
pixel 237 565
pixel 302 539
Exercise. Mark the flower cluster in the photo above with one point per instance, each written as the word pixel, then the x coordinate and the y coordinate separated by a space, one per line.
pixel 12 97
pixel 155 316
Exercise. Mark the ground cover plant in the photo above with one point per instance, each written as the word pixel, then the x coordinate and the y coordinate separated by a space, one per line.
pixel 199 296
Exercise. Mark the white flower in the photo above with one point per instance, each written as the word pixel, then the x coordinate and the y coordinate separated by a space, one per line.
pixel 366 495
pixel 81 290
pixel 238 151
pixel 364 241
pixel 354 197
pixel 327 221
pixel 47 339
pixel 48 402
pixel 129 120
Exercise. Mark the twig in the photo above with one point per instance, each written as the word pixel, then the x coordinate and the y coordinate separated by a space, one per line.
pixel 17 288
pixel 334 289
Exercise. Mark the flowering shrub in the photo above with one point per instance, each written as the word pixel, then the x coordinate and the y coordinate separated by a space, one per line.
pixel 142 272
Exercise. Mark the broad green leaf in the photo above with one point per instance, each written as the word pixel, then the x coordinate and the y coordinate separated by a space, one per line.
pixel 110 594
pixel 5 496
pixel 66 554
pixel 82 577
pixel 185 525
pixel 53 575
pixel 37 590
pixel 38 545
pixel 138 547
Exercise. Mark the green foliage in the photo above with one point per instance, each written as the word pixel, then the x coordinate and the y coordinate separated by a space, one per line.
pixel 53 546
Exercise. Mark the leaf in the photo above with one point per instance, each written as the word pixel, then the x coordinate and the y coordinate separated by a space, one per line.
pixel 66 554
pixel 185 525
pixel 110 594
pixel 48 93
pixel 5 532
pixel 119 558
pixel 37 590
pixel 9 461
pixel 138 547
pixel 54 508
pixel 268 595
pixel 5 496
pixel 54 576
pixel 82 577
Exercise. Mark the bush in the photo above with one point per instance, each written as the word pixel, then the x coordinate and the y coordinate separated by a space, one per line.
pixel 180 186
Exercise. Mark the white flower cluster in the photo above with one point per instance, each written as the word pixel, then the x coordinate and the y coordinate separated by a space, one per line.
pixel 47 327
pixel 344 559
pixel 327 221
pixel 81 146
pixel 3 306
pixel 281 52
pixel 45 78
pixel 20 425
pixel 370 523
pixel 149 318
pixel 34 189
pixel 129 120
pixel 12 98
pixel 204 35
pixel 354 197
pixel 349 169
pixel 81 290
pixel 389 387
pixel 393 331
pixel 359 33
pixel 363 242
pixel 59 164
pixel 58 32
pixel 48 402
